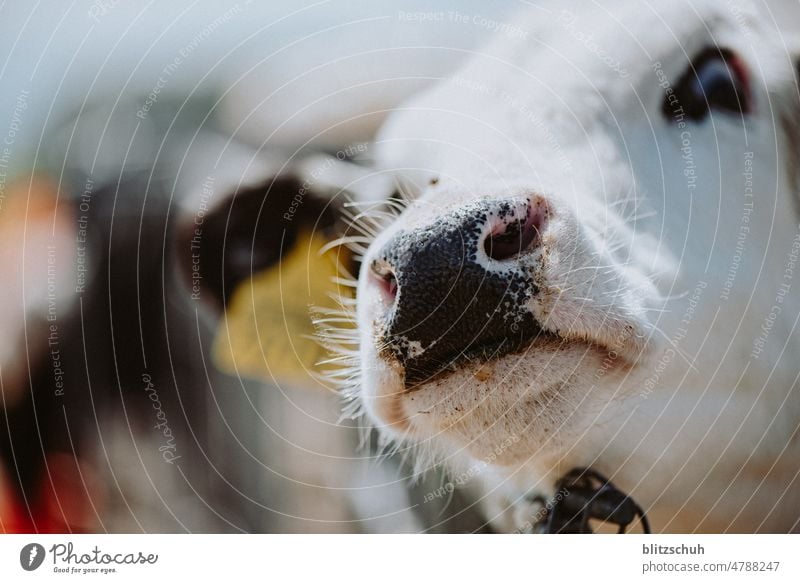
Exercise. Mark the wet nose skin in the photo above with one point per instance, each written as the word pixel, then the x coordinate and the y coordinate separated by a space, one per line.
pixel 448 307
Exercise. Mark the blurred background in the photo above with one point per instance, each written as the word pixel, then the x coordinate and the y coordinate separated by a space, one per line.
pixel 148 155
pixel 154 376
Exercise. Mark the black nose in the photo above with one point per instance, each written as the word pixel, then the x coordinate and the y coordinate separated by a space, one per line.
pixel 460 287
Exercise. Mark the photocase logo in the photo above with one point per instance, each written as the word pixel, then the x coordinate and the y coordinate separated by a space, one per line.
pixel 67 559
pixel 31 556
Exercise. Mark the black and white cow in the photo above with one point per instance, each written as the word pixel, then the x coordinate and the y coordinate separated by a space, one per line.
pixel 595 267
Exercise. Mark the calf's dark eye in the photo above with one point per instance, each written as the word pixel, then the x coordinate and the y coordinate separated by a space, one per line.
pixel 717 79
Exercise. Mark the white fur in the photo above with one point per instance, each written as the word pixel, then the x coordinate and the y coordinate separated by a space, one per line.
pixel 657 383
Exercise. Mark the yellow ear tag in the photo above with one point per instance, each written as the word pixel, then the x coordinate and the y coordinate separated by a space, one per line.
pixel 267 330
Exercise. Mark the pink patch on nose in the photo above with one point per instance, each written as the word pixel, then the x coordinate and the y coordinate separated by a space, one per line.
pixel 385 279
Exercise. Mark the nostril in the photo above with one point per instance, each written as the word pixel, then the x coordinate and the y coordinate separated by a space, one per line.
pixel 513 238
pixel 508 242
pixel 385 278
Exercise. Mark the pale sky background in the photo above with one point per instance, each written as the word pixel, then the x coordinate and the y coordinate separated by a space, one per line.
pixel 64 52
